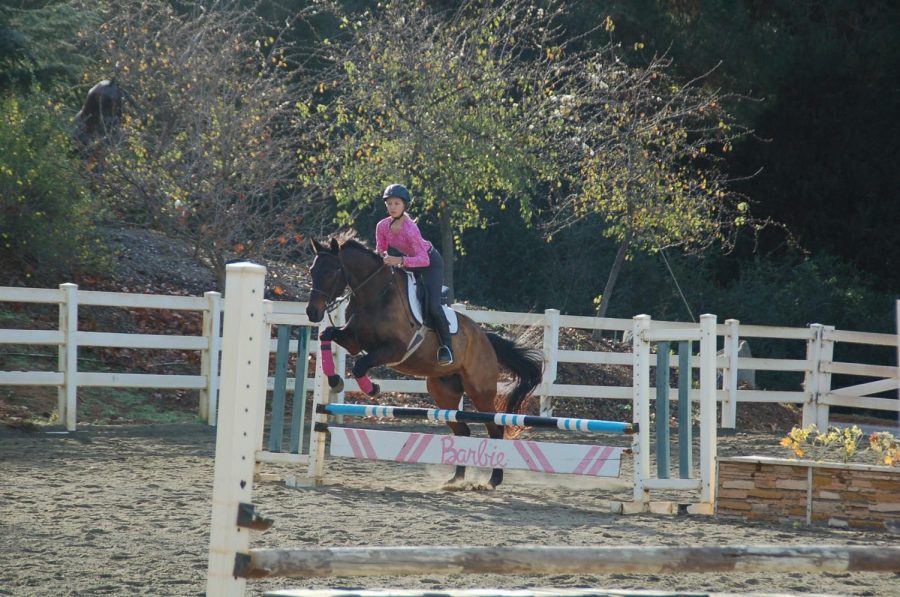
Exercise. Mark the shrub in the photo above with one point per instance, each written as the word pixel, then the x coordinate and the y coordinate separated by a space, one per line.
pixel 45 206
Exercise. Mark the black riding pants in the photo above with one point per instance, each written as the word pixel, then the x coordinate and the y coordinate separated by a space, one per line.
pixel 433 278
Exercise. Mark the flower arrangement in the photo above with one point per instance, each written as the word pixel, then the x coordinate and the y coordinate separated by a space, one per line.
pixel 843 444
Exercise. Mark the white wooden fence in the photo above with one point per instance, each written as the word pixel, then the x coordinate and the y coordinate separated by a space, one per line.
pixel 68 338
pixel 816 393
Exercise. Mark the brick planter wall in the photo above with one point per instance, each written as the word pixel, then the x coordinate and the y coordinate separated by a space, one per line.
pixel 782 490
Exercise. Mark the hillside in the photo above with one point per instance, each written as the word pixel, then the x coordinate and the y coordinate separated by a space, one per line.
pixel 148 262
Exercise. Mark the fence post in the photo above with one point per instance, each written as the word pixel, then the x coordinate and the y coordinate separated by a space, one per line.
pixel 298 410
pixel 321 395
pixel 662 411
pixel 826 356
pixel 685 412
pixel 640 443
pixel 708 409
pixel 811 414
pixel 243 382
pixel 67 394
pixel 209 358
pixel 551 349
pixel 730 374
pixel 265 353
pixel 279 387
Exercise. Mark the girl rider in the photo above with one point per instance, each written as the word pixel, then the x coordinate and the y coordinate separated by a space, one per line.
pixel 400 231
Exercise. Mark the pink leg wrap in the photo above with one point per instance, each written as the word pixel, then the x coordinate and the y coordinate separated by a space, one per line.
pixel 327 358
pixel 365 384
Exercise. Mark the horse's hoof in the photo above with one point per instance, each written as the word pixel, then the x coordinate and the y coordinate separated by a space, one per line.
pixel 336 383
pixel 376 391
pixel 455 485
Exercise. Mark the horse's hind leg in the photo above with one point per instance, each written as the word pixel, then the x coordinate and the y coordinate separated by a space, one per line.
pixel 495 432
pixel 483 401
pixel 447 392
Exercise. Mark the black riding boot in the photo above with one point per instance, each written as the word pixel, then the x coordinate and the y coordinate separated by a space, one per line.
pixel 445 351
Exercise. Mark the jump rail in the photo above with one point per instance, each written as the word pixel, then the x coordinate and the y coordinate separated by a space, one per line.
pixel 516 420
pixel 407 561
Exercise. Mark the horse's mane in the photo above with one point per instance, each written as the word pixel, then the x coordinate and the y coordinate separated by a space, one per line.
pixel 349 241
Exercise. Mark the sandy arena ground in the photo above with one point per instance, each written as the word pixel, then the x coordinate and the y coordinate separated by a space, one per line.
pixel 124 510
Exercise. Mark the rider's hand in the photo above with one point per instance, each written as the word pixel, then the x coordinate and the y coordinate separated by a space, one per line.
pixel 393 261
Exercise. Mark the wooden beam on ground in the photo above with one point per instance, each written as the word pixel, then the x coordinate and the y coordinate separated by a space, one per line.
pixel 404 561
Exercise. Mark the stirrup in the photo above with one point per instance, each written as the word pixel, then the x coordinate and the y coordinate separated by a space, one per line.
pixel 445 355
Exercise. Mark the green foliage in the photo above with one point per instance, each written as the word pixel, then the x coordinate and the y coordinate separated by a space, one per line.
pixel 651 154
pixel 45 208
pixel 492 103
pixel 38 44
pixel 439 107
pixel 817 289
pixel 510 266
pixel 823 75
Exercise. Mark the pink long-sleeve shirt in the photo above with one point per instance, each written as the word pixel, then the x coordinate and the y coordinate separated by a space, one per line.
pixel 408 240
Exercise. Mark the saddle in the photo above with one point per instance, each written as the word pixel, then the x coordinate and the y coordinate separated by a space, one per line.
pixel 418 298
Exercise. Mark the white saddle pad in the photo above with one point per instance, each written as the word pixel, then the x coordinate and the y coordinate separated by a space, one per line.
pixel 416 306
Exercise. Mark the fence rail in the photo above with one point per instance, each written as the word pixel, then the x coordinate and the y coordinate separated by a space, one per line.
pixel 816 392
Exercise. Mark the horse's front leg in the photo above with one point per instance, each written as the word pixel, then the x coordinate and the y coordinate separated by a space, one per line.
pixel 343 337
pixel 361 370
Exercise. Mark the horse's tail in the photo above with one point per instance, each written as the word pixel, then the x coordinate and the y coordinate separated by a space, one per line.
pixel 525 363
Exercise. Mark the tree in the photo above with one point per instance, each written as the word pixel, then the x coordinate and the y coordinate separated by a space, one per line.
pixel 494 101
pixel 646 149
pixel 448 103
pixel 38 44
pixel 206 148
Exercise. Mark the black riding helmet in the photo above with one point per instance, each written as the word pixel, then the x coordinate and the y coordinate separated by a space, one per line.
pixel 399 191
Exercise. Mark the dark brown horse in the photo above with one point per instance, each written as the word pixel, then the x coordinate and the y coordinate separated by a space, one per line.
pixel 101 112
pixel 380 324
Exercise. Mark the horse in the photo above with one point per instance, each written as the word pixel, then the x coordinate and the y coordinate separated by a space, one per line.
pixel 101 112
pixel 381 325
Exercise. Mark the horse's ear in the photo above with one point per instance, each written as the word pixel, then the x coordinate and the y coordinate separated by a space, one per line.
pixel 316 245
pixel 335 247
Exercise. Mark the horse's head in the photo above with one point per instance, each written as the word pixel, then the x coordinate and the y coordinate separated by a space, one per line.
pixel 327 277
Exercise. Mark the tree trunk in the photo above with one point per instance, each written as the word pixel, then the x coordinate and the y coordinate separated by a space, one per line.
pixel 447 250
pixel 613 276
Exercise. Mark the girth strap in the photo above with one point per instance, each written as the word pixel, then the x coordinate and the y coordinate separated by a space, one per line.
pixel 413 345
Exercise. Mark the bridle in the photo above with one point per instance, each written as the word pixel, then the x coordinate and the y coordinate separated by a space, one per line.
pixel 333 302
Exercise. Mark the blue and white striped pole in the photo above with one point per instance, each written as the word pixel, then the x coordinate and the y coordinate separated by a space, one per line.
pixel 436 414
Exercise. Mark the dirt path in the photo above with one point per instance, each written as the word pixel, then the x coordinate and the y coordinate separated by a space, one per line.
pixel 125 511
